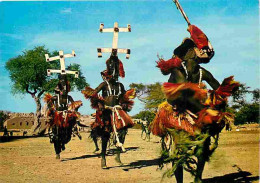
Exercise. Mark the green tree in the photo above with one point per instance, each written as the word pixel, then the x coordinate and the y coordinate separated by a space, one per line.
pixel 245 110
pixel 28 73
pixel 247 113
pixel 239 96
pixel 256 95
pixel 3 116
pixel 151 95
pixel 145 115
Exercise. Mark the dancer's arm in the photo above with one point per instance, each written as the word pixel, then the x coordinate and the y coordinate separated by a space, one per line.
pixel 177 76
pixel 70 99
pixel 122 88
pixel 100 87
pixel 209 78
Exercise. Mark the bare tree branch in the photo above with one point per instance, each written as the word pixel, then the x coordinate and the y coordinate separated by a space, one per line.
pixel 39 94
pixel 32 93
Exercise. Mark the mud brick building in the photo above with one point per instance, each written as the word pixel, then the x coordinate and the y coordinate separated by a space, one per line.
pixel 23 121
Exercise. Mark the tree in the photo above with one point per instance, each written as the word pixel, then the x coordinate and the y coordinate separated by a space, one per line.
pixel 239 96
pixel 151 95
pixel 145 115
pixel 3 116
pixel 256 95
pixel 244 109
pixel 247 113
pixel 28 73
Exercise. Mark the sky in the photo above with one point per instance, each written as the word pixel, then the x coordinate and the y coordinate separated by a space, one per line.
pixel 232 27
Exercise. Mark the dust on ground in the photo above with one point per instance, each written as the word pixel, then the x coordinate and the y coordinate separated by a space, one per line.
pixel 33 160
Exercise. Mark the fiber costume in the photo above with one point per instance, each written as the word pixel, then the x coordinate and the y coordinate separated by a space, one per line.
pixel 116 113
pixel 62 110
pixel 111 108
pixel 192 117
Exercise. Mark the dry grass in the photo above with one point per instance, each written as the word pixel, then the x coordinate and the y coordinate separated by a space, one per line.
pixel 33 160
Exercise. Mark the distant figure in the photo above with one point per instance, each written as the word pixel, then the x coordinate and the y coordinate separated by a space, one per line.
pixel 228 127
pixel 24 133
pixel 5 132
pixel 76 132
pixel 145 130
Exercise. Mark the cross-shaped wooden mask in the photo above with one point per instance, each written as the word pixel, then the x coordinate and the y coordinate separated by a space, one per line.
pixel 61 57
pixel 114 50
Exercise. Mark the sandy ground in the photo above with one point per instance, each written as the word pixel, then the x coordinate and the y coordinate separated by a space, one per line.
pixel 33 160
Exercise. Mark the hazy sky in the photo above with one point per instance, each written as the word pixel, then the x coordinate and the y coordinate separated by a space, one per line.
pixel 157 27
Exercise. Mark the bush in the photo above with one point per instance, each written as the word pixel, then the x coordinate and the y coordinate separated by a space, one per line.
pixel 145 115
pixel 3 116
pixel 247 113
